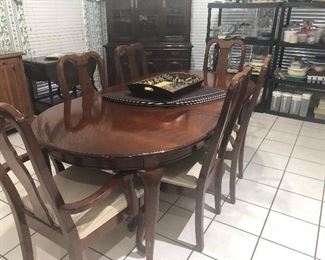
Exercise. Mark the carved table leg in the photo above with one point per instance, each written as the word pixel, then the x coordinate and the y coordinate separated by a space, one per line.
pixel 151 181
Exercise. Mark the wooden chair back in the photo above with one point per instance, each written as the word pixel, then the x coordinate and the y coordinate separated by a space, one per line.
pixel 252 96
pixel 78 70
pixel 229 115
pixel 130 62
pixel 221 50
pixel 50 195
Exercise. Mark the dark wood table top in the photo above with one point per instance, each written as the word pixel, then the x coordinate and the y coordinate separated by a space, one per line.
pixel 91 131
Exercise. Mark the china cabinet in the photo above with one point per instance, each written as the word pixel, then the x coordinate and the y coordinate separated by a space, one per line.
pixel 162 26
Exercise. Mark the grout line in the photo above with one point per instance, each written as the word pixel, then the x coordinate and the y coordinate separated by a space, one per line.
pixel 269 211
pixel 98 252
pixel 320 220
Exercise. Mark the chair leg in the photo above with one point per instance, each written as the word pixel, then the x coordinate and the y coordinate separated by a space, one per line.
pixel 140 234
pixel 241 161
pixel 232 181
pixel 199 211
pixel 25 241
pixel 218 192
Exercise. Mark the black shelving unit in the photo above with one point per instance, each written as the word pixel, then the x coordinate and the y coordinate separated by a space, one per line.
pixel 280 50
pixel 277 48
pixel 270 43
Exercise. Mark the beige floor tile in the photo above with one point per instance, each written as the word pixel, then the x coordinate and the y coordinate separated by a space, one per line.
pixel 290 121
pixel 281 137
pixel 224 242
pixel 257 131
pixel 272 160
pixel 255 193
pixel 297 206
pixel 263 174
pixel 179 225
pixel 308 154
pixel 8 234
pixel 302 185
pixel 198 256
pixel 267 250
pixel 310 142
pixel 290 232
pixel 253 142
pixel 244 216
pixel 165 249
pixel 318 133
pixel 306 168
pixel 321 242
pixel 189 204
pixel 287 128
pixel 43 248
pixel 89 254
pixel 276 147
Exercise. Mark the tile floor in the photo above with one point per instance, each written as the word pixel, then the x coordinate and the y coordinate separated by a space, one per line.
pixel 279 213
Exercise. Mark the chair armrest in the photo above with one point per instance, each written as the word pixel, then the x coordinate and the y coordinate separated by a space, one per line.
pixel 91 200
pixel 126 182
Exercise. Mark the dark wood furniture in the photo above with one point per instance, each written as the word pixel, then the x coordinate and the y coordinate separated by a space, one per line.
pixel 162 26
pixel 130 62
pixel 78 70
pixel 13 85
pixel 193 175
pixel 73 208
pixel 43 81
pixel 127 139
pixel 220 52
pixel 235 151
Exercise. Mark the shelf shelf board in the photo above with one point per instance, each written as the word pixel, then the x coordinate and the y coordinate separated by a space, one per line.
pixel 302 85
pixel 317 46
pixel 309 117
pixel 252 41
pixel 304 5
pixel 243 5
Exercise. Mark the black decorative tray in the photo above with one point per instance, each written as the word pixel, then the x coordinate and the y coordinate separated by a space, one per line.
pixel 196 96
pixel 166 86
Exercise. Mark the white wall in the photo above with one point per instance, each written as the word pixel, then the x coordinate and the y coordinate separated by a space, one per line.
pixel 198 31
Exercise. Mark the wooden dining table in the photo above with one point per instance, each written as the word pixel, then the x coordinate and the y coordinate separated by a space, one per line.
pixel 90 131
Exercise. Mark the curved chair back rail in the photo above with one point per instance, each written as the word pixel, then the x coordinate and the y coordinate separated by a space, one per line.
pixel 221 50
pixel 72 221
pixel 193 175
pixel 79 69
pixel 236 153
pixel 130 62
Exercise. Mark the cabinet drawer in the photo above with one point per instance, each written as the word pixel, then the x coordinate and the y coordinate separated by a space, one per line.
pixel 167 54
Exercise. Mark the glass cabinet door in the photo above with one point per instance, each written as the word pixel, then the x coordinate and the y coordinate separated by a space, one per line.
pixel 147 19
pixel 121 26
pixel 175 18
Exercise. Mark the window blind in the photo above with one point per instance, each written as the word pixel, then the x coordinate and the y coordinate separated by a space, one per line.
pixel 55 26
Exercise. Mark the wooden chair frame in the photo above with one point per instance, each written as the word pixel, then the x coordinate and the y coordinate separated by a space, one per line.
pixel 131 53
pixel 214 154
pixel 85 70
pixel 66 234
pixel 223 48
pixel 236 155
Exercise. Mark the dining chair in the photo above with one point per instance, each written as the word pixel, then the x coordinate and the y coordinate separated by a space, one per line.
pixel 73 208
pixel 130 62
pixel 221 50
pixel 193 175
pixel 78 70
pixel 236 146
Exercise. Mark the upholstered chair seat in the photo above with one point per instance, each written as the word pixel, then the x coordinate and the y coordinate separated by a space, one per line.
pixel 76 183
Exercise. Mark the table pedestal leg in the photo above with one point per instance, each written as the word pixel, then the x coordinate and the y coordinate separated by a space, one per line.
pixel 151 181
